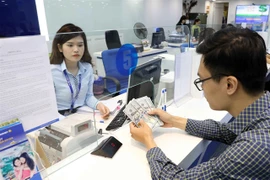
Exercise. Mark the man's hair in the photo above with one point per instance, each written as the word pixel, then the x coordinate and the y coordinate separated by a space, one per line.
pixel 178 27
pixel 236 52
pixel 205 33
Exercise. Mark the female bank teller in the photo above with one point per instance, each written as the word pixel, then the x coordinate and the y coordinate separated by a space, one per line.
pixel 71 67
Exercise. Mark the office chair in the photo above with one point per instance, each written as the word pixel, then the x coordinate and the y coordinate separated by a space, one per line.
pixel 112 39
pixel 100 90
pixel 115 81
pixel 161 30
pixel 185 45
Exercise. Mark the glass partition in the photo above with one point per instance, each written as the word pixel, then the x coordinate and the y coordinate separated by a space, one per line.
pixel 156 64
pixel 67 148
pixel 144 69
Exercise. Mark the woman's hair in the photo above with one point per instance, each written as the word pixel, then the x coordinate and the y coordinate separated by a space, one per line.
pixel 196 20
pixel 29 161
pixel 13 162
pixel 65 33
pixel 181 19
pixel 205 33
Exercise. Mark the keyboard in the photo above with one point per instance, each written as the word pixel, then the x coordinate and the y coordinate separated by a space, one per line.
pixel 118 120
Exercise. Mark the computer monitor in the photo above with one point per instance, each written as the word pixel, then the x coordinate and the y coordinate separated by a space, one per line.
pixel 161 30
pixel 23 21
pixel 144 80
pixel 176 38
pixel 156 40
pixel 252 14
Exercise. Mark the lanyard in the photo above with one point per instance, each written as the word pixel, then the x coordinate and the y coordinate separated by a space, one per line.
pixel 73 99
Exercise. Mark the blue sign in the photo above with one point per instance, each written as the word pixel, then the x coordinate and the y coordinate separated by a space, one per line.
pixel 127 59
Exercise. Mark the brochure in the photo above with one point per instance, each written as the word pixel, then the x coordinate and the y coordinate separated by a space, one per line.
pixel 16 156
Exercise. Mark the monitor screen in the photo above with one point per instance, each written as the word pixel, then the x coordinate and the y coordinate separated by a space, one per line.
pixel 144 80
pixel 18 18
pixel 156 39
pixel 251 14
pixel 161 30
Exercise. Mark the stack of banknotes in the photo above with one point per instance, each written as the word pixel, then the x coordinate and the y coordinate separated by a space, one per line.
pixel 137 109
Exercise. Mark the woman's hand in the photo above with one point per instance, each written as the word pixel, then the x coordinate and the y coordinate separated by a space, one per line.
pixel 104 110
pixel 268 58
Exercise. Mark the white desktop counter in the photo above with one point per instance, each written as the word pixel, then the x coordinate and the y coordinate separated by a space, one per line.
pixel 130 161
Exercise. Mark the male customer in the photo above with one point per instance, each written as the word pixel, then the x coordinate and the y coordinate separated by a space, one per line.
pixel 231 74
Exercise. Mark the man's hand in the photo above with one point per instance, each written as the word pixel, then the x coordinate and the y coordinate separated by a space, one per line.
pixel 163 116
pixel 169 120
pixel 143 134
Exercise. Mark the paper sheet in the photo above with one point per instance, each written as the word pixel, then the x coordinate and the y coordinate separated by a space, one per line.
pixel 26 85
pixel 112 104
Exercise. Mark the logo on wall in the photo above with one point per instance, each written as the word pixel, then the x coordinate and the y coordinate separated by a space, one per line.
pixel 262 8
pixel 188 5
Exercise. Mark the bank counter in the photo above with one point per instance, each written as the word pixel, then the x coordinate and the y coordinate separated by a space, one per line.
pixel 130 160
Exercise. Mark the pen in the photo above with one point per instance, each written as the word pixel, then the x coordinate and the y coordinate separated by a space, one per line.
pixel 101 121
pixel 165 97
pixel 120 102
pixel 165 100
pixel 162 100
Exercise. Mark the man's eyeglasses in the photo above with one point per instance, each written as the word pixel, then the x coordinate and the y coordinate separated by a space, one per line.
pixel 198 82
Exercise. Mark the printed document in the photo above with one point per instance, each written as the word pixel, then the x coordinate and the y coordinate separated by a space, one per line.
pixel 26 85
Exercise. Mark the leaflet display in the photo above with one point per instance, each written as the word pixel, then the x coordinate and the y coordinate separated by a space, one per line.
pixel 26 90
